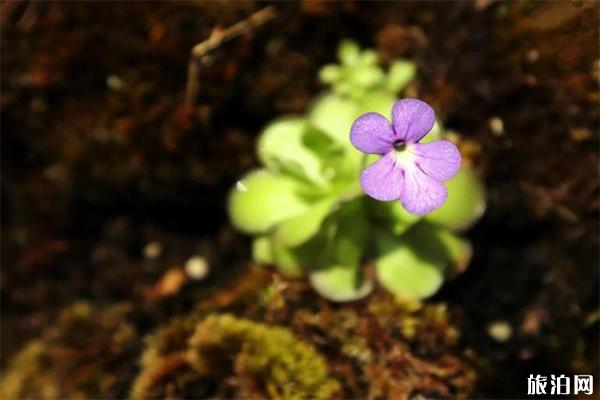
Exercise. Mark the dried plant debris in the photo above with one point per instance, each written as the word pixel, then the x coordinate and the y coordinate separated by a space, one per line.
pixel 86 354
pixel 384 349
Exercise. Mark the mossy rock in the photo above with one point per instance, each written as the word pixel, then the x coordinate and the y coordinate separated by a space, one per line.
pixel 266 361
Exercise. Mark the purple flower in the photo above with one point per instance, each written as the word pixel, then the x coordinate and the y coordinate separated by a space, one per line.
pixel 410 171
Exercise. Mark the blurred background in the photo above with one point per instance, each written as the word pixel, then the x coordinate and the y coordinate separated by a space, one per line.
pixel 114 187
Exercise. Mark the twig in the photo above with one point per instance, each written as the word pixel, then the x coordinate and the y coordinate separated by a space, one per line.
pixel 217 37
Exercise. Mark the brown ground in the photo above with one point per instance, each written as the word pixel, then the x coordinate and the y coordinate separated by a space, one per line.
pixel 100 157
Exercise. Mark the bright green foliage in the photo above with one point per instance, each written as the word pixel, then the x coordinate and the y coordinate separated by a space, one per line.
pixel 311 214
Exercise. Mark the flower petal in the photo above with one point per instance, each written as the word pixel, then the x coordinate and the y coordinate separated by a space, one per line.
pixel 384 179
pixel 440 159
pixel 372 133
pixel 412 119
pixel 422 193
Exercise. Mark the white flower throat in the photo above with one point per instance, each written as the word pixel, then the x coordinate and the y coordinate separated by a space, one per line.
pixel 402 154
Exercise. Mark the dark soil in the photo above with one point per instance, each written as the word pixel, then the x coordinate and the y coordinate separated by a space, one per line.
pixel 100 157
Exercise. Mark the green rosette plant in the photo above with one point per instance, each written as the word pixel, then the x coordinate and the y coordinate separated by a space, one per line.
pixel 309 215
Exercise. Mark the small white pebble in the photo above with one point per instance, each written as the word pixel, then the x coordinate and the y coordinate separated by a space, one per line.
pixel 500 331
pixel 196 267
pixel 497 126
pixel 152 250
pixel 533 55
pixel 115 83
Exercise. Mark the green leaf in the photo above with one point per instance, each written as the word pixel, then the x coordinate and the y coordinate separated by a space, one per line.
pixel 400 73
pixel 436 133
pixel 340 164
pixel 262 199
pixel 412 265
pixel 341 245
pixel 330 73
pixel 380 101
pixel 465 204
pixel 458 250
pixel 365 76
pixel 320 144
pixel 343 169
pixel 368 58
pixel 393 214
pixel 298 230
pixel 262 250
pixel 290 261
pixel 334 115
pixel 281 148
pixel 294 261
pixel 351 233
pixel 348 52
pixel 340 283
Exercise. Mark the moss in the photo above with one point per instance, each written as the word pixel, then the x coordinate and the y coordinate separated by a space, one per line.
pixel 73 358
pixel 163 365
pixel 265 360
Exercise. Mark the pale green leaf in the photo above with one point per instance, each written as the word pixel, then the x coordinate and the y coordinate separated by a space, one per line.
pixel 400 74
pixel 330 73
pixel 320 144
pixel 290 261
pixel 262 251
pixel 294 261
pixel 341 245
pixel 368 57
pixel 351 234
pixel 262 199
pixel 340 283
pixel 298 230
pixel 348 52
pixel 380 101
pixel 393 215
pixel 436 133
pixel 465 204
pixel 334 115
pixel 408 268
pixel 413 265
pixel 458 250
pixel 365 76
pixel 280 147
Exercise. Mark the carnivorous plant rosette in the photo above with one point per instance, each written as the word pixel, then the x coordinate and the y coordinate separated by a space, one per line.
pixel 306 206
